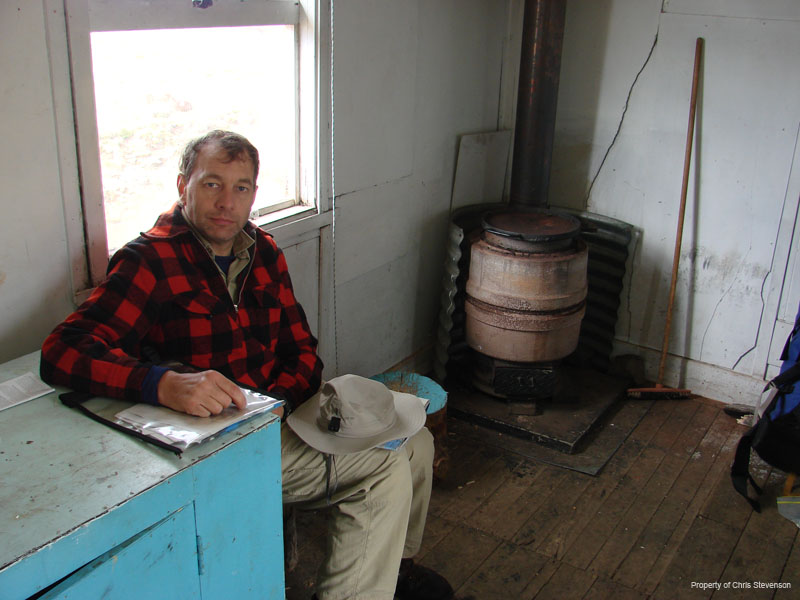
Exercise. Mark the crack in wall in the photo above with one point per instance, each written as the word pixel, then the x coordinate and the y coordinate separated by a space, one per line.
pixel 602 163
pixel 758 329
pixel 622 116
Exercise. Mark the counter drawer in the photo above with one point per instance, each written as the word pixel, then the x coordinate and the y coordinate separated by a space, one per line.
pixel 159 562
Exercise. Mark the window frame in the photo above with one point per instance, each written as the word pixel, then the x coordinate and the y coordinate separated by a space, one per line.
pixel 86 241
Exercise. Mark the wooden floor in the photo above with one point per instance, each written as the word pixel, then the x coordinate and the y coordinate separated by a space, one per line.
pixel 660 518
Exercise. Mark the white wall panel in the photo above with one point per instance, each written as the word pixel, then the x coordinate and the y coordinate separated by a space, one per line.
pixel 375 320
pixel 762 9
pixel 375 47
pixel 34 274
pixel 620 149
pixel 394 189
pixel 303 261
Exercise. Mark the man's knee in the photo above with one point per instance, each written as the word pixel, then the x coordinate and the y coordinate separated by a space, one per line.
pixel 420 450
pixel 395 467
pixel 384 476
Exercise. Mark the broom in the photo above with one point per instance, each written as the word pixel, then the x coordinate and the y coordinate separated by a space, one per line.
pixel 660 391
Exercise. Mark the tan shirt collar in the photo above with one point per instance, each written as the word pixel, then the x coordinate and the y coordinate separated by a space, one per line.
pixel 241 245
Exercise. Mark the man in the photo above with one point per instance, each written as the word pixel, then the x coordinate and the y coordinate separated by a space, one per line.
pixel 203 303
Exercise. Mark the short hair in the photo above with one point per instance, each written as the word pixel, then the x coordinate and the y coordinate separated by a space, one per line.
pixel 234 145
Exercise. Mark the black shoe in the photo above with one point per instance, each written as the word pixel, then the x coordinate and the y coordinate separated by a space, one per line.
pixel 415 582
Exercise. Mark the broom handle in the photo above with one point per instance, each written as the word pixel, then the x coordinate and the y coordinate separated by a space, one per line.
pixel 698 52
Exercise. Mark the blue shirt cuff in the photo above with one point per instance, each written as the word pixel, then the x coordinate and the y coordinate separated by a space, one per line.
pixel 150 384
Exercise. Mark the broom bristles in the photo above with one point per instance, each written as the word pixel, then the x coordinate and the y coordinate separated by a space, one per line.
pixel 658 392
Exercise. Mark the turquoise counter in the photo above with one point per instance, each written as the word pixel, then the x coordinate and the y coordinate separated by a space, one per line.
pixel 103 515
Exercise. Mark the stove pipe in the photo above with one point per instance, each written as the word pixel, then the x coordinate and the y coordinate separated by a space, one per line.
pixel 540 63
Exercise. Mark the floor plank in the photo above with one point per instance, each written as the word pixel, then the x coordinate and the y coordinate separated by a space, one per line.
pixel 493 513
pixel 611 509
pixel 556 506
pixel 749 563
pixel 477 490
pixel 701 559
pixel 603 589
pixel 655 534
pixel 566 582
pixel 583 512
pixel 791 575
pixel 664 481
pixel 507 524
pixel 460 554
pixel 716 489
pixel 506 573
pixel 657 522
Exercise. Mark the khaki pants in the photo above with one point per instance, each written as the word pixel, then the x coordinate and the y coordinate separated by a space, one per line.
pixel 378 501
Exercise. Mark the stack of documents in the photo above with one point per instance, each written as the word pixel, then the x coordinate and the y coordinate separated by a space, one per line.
pixel 181 430
pixel 21 389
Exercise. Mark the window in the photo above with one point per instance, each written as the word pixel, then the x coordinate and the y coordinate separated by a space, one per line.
pixel 148 77
pixel 156 89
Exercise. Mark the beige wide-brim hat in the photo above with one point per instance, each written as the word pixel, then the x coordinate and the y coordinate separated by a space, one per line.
pixel 352 413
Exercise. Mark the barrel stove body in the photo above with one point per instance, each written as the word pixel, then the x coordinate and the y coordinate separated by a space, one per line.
pixel 526 292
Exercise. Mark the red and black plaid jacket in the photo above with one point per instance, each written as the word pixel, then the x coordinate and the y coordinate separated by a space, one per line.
pixel 164 297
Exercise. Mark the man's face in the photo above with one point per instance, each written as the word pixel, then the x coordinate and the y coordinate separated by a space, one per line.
pixel 218 196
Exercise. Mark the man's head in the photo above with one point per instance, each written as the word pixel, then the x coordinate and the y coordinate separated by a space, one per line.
pixel 217 186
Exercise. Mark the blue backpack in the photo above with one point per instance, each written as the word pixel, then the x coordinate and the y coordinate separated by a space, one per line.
pixel 775 436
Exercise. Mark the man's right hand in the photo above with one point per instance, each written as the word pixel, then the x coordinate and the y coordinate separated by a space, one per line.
pixel 201 394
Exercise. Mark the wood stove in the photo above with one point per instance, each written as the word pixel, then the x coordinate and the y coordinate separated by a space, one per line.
pixel 526 297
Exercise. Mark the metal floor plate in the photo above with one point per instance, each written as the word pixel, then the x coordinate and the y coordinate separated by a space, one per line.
pixel 582 399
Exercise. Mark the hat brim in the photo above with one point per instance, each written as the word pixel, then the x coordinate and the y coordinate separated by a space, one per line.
pixel 303 421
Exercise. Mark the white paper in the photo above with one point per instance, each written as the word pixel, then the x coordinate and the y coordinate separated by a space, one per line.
pixel 393 444
pixel 182 430
pixel 21 389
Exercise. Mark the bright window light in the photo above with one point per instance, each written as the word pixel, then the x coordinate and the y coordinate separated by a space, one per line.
pixel 157 89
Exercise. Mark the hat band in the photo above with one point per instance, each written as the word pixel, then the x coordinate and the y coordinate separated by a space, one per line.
pixel 342 431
